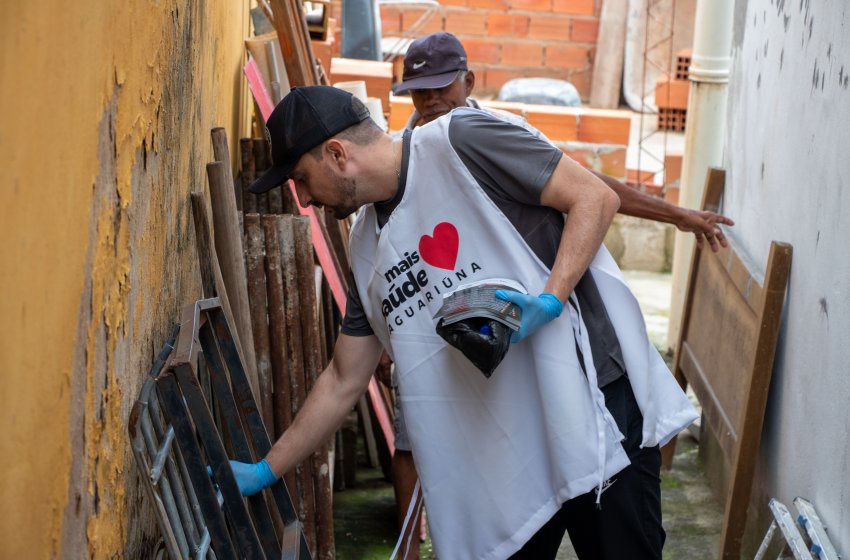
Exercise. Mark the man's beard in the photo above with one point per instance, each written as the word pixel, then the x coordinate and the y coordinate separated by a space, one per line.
pixel 348 189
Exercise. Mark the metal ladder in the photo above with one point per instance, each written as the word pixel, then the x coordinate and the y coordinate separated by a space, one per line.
pixel 821 547
pixel 194 410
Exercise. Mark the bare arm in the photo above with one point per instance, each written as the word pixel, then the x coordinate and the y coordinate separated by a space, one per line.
pixel 590 206
pixel 702 224
pixel 335 392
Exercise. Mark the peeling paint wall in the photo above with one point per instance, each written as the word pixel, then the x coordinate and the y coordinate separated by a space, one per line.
pixel 105 113
pixel 788 169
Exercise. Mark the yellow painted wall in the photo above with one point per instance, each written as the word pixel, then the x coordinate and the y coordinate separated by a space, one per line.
pixel 105 113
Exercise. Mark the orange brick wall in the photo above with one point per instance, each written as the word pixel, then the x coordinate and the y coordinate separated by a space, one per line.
pixel 508 39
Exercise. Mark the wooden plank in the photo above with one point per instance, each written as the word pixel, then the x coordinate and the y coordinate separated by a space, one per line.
pixel 761 366
pixel 610 50
pixel 228 246
pixel 726 349
pixel 291 29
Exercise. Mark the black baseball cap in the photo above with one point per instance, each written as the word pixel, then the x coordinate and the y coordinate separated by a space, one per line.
pixel 305 118
pixel 432 62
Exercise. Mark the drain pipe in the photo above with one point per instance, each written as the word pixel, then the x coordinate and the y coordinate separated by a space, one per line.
pixel 705 130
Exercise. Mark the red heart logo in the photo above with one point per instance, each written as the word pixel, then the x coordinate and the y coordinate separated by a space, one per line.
pixel 441 249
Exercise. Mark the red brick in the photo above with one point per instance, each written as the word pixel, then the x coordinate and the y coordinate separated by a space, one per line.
pixel 582 81
pixel 390 20
pixel 639 176
pixel 409 17
pixel 494 78
pixel 489 4
pixel 577 7
pixel 584 30
pixel 508 106
pixel 401 106
pixel 613 162
pixel 672 93
pixel 453 2
pixel 532 5
pixel 466 22
pixel 507 24
pixel 603 126
pixel 566 56
pixel 549 27
pixel 671 194
pixel 672 168
pixel 522 54
pixel 482 51
pixel 323 51
pixel 557 123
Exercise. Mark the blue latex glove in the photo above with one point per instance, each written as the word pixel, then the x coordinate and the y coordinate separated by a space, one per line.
pixel 536 311
pixel 252 478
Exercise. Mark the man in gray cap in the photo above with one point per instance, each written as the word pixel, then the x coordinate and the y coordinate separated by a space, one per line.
pixel 550 442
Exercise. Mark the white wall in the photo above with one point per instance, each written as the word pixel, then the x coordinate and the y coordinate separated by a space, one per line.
pixel 788 164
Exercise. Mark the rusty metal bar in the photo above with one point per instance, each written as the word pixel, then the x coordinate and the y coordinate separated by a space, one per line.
pixel 255 258
pixel 312 367
pixel 278 333
pixel 293 311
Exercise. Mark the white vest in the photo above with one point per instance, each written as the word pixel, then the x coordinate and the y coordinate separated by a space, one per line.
pixel 497 457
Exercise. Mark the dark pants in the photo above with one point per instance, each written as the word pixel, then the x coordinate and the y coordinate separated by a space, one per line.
pixel 628 525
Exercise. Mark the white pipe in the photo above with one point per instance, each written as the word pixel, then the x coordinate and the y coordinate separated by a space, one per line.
pixel 705 130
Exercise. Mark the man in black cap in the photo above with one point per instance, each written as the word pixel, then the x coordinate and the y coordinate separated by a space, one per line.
pixel 498 457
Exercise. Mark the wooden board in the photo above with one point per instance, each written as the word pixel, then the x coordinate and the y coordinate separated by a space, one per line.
pixel 727 343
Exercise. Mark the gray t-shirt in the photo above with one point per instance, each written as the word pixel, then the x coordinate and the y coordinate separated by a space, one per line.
pixel 512 167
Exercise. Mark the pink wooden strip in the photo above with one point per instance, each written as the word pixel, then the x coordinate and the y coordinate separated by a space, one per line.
pixel 258 88
pixel 264 102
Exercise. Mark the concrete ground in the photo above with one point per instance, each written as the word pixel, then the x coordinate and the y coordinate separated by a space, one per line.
pixel 365 517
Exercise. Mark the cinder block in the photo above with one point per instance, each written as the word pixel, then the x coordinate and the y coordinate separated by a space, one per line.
pixel 559 124
pixel 499 24
pixel 604 126
pixel 377 75
pixel 672 119
pixel 584 30
pixel 672 93
pixel 401 107
pixel 550 27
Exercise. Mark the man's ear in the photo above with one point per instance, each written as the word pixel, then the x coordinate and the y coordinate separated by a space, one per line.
pixel 336 152
pixel 469 82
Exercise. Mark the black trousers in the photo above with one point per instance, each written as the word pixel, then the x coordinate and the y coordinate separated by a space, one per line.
pixel 628 523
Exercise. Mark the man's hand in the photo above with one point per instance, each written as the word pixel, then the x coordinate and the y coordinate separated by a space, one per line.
pixel 252 478
pixel 703 225
pixel 536 311
pixel 384 370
